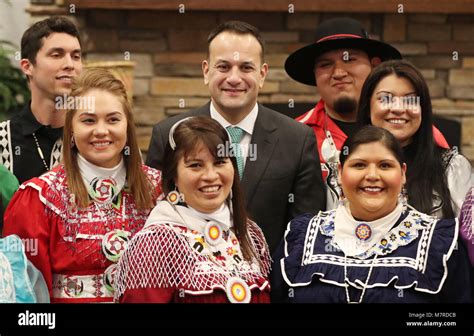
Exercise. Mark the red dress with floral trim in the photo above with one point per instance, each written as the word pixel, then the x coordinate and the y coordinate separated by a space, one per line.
pixel 169 262
pixel 65 243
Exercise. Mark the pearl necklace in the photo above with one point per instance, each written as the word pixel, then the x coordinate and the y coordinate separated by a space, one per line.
pixel 346 280
pixel 40 152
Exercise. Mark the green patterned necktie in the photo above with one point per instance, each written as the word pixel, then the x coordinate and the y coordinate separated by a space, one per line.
pixel 236 134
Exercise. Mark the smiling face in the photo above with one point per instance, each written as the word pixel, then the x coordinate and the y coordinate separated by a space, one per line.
pixel 234 73
pixel 341 74
pixel 205 181
pixel 371 180
pixel 395 106
pixel 100 133
pixel 57 62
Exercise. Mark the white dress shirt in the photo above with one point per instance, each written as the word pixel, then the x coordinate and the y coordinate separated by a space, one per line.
pixel 247 124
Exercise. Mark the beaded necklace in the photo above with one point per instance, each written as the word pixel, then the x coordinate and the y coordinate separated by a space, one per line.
pixel 40 152
pixel 346 280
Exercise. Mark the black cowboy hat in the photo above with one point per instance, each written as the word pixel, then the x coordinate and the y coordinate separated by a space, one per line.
pixel 334 34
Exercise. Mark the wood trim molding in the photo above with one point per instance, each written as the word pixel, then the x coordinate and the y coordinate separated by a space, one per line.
pixel 366 6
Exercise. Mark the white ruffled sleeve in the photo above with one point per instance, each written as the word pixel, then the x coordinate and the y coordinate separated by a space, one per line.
pixel 458 176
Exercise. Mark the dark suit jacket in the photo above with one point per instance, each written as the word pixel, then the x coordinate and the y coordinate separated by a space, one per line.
pixel 285 179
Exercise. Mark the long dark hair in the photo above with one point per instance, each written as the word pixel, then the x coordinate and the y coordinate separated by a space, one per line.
pixel 187 136
pixel 425 173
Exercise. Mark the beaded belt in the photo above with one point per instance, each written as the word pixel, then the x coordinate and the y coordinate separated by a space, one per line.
pixel 114 244
pixel 82 286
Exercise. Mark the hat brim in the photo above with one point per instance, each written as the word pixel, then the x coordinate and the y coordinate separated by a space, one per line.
pixel 300 64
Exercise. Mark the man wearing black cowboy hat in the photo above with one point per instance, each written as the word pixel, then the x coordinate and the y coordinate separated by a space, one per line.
pixel 338 63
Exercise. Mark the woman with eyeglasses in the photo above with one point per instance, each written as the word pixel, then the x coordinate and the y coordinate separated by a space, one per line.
pixel 395 96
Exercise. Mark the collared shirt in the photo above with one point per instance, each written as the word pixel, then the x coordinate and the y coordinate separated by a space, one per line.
pixel 317 119
pixel 18 150
pixel 247 124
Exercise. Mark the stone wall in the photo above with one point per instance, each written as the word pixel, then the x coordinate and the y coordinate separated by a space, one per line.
pixel 168 48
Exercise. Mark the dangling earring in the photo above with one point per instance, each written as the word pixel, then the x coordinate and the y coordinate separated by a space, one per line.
pixel 341 195
pixel 174 197
pixel 72 141
pixel 403 198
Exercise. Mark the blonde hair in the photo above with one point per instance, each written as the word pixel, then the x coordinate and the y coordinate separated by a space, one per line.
pixel 141 188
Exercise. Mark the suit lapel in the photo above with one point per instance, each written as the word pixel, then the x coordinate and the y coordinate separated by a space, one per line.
pixel 265 138
pixel 204 110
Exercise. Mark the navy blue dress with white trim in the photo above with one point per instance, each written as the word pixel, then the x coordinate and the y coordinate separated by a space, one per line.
pixel 418 260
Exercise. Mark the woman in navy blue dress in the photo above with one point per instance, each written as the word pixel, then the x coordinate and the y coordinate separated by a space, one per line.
pixel 373 248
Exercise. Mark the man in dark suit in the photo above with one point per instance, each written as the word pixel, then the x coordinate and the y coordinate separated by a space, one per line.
pixel 278 161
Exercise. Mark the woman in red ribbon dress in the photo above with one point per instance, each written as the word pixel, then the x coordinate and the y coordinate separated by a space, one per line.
pixel 198 245
pixel 82 213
